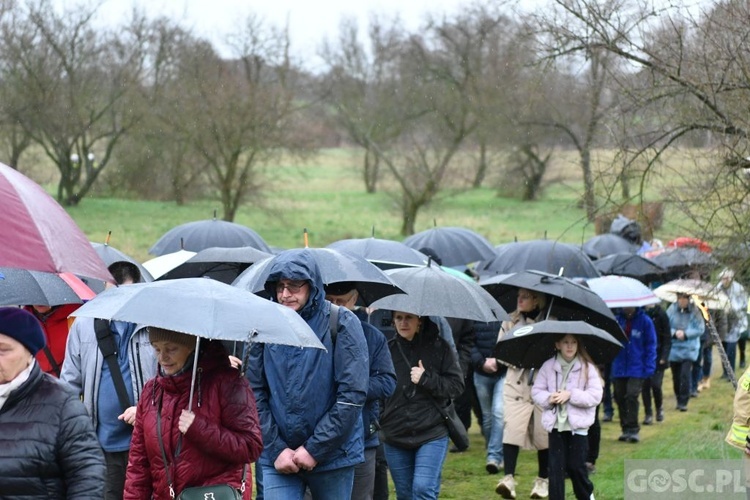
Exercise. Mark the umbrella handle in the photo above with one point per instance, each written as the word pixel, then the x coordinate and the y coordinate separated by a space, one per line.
pixel 195 371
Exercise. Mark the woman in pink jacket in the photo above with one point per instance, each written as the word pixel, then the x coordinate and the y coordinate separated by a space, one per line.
pixel 568 388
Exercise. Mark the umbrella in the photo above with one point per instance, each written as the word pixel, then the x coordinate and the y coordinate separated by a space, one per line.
pixel 682 258
pixel 199 235
pixel 110 255
pixel 621 291
pixel 205 308
pixel 602 245
pixel 529 346
pixel 38 234
pixel 221 264
pixel 430 291
pixel 570 301
pixel 686 241
pixel 385 254
pixel 701 291
pixel 20 287
pixel 335 267
pixel 202 307
pixel 162 264
pixel 456 246
pixel 628 264
pixel 543 255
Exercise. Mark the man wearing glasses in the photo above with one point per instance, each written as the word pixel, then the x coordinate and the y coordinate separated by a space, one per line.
pixel 310 400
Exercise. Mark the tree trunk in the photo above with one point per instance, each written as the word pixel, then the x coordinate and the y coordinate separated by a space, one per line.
pixel 589 196
pixel 482 167
pixel 371 170
pixel 409 212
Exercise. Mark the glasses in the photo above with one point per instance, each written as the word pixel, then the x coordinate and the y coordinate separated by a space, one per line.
pixel 292 286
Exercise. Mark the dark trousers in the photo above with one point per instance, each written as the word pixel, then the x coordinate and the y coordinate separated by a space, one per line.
pixel 741 350
pixel 652 385
pixel 567 453
pixel 464 402
pixel 627 391
pixel 114 485
pixel 595 437
pixel 681 380
pixel 607 397
pixel 381 475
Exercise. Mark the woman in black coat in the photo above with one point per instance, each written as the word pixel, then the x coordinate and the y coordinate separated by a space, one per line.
pixel 413 429
pixel 48 448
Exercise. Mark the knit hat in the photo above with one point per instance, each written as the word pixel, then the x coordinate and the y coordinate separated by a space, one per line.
pixel 22 326
pixel 161 335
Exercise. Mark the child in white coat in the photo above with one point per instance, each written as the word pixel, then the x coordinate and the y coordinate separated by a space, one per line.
pixel 568 388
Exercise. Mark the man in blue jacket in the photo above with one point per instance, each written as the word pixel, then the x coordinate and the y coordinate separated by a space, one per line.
pixel 382 383
pixel 633 364
pixel 309 400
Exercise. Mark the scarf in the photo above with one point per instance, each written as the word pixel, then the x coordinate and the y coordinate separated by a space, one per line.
pixel 562 410
pixel 7 388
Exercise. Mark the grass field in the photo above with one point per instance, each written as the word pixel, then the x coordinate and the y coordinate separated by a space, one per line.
pixel 326 196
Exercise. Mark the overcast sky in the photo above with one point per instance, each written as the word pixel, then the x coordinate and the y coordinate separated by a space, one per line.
pixel 309 20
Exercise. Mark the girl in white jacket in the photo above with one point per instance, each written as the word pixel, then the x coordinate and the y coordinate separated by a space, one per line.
pixel 568 388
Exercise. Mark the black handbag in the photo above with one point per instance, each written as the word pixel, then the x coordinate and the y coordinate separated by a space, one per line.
pixel 213 492
pixel 456 429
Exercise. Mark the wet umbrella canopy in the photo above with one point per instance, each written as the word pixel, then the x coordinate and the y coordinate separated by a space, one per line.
pixel 20 287
pixel 39 235
pixel 621 291
pixel 222 264
pixel 602 245
pixel 205 308
pixel 334 267
pixel 430 291
pixel 568 301
pixel 456 246
pixel 383 253
pixel 199 235
pixel 631 265
pixel 529 346
pixel 543 255
pixel 712 296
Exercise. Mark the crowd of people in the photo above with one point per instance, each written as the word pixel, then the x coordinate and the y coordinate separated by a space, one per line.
pixel 105 409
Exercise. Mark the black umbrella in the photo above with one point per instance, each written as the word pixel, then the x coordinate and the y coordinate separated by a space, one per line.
pixel 602 245
pixel 430 291
pixel 335 267
pixel 529 346
pixel 385 254
pixel 456 246
pixel 20 287
pixel 684 258
pixel 568 301
pixel 218 263
pixel 630 265
pixel 199 235
pixel 543 255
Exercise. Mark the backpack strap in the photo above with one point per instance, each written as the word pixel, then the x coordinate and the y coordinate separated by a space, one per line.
pixel 334 317
pixel 106 340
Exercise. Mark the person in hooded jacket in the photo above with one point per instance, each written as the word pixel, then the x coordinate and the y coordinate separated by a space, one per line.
pixel 687 326
pixel 413 429
pixel 310 400
pixel 55 323
pixel 211 443
pixel 48 448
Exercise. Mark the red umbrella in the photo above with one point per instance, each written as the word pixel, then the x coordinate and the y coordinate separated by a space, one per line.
pixel 686 241
pixel 38 234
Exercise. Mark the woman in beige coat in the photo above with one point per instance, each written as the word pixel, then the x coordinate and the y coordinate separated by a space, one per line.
pixel 523 419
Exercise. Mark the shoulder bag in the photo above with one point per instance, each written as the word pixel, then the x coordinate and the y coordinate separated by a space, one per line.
pixel 213 492
pixel 456 429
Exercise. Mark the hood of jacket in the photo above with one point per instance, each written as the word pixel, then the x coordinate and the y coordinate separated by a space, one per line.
pixel 298 264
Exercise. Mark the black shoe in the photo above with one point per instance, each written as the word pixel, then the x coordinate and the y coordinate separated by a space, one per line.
pixel 659 415
pixel 648 420
pixel 455 449
pixel 633 438
pixel 742 363
pixel 607 418
pixel 694 394
pixel 682 407
pixel 623 437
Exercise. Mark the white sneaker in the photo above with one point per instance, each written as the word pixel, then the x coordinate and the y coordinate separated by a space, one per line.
pixel 506 488
pixel 541 488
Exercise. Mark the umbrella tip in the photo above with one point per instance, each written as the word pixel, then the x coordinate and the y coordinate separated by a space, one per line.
pixel 182 243
pixel 214 214
pixel 373 230
pixel 109 234
pixel 304 236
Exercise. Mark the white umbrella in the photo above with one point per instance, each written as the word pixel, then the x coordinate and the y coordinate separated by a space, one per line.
pixel 162 264
pixel 621 291
pixel 700 291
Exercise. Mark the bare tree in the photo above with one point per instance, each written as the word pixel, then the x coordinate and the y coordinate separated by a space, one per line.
pixel 71 82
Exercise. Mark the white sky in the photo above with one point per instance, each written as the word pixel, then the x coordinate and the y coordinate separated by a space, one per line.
pixel 309 20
